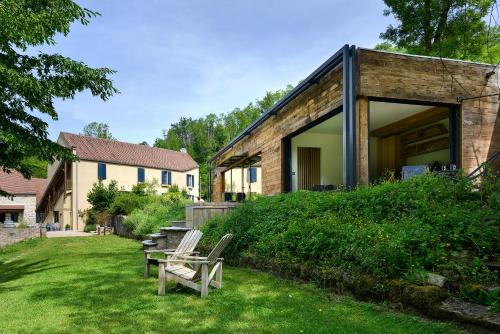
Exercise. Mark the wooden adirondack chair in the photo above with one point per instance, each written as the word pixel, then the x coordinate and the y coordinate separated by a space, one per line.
pixel 197 277
pixel 185 247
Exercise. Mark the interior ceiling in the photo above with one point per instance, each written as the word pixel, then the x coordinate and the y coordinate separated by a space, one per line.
pixel 333 125
pixel 384 113
pixel 381 114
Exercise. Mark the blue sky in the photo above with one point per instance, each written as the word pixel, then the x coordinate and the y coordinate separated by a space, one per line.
pixel 194 57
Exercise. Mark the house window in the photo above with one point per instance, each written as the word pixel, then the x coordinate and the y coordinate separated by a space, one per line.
pixel 190 180
pixel 14 216
pixel 252 175
pixel 56 217
pixel 101 171
pixel 140 174
pixel 166 178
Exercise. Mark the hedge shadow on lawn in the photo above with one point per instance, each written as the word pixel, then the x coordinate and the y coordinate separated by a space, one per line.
pixel 17 269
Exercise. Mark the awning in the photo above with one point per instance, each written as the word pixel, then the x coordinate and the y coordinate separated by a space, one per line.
pixel 239 160
pixel 12 208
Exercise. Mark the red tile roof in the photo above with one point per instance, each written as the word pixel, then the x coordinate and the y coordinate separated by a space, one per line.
pixel 113 151
pixel 14 183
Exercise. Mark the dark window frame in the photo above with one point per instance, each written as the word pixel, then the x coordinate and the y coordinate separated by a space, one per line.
pixel 101 171
pixel 141 174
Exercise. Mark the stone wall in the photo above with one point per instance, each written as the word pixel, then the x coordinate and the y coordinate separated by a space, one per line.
pixel 29 203
pixel 121 229
pixel 12 235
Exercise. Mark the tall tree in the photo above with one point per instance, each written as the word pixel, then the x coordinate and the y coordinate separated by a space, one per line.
pixel 98 130
pixel 460 29
pixel 29 81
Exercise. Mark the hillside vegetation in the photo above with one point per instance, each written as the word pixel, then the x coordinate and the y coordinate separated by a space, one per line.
pixel 393 230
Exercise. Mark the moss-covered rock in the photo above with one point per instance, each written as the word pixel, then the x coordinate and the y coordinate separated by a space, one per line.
pixel 425 298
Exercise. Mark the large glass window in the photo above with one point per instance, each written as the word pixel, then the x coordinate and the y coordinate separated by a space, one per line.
pixel 407 139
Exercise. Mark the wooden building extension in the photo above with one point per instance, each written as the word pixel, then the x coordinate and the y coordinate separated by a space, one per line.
pixel 365 112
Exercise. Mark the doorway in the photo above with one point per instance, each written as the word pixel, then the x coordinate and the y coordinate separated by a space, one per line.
pixel 309 167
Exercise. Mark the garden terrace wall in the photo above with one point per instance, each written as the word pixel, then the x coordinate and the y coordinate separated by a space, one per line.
pixel 380 76
pixel 10 236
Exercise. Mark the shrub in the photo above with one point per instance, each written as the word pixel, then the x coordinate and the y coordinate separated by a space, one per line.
pixel 102 218
pixel 390 230
pixel 125 203
pixel 145 188
pixel 101 197
pixel 156 213
pixel 22 226
pixel 89 228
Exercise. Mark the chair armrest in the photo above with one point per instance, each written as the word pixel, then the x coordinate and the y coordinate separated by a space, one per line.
pixel 158 250
pixel 180 253
pixel 187 257
pixel 184 261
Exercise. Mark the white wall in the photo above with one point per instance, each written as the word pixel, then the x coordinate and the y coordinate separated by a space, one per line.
pixel 331 156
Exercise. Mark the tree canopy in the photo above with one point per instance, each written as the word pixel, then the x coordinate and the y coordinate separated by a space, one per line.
pixel 460 29
pixel 30 81
pixel 98 130
pixel 204 136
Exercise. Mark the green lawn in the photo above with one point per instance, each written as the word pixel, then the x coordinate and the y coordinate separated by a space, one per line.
pixel 95 285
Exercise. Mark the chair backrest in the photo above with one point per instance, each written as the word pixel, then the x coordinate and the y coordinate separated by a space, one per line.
pixel 189 241
pixel 219 248
pixel 215 253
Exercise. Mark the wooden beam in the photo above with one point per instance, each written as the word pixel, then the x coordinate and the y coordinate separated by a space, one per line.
pixel 363 140
pixel 425 117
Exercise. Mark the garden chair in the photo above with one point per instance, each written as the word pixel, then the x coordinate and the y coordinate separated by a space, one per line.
pixel 185 247
pixel 197 277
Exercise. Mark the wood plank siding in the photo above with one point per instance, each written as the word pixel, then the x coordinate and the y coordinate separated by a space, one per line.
pixel 380 75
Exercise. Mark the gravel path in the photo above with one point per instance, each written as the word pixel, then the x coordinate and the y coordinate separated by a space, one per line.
pixel 63 234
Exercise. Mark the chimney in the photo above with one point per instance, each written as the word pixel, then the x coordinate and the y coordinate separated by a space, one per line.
pixel 183 150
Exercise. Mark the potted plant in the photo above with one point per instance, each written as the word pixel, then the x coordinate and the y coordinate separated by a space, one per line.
pixel 67 227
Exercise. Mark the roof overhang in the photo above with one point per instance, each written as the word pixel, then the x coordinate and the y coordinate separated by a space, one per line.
pixel 12 208
pixel 240 160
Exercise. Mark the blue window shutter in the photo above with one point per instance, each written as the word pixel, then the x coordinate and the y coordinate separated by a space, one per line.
pixel 140 174
pixel 187 180
pixel 101 171
pixel 253 174
pixel 163 177
pixel 169 178
pixel 192 181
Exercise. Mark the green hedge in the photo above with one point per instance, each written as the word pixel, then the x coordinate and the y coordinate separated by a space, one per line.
pixel 390 230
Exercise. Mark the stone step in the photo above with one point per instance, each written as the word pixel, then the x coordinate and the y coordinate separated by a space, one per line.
pixel 149 244
pixel 471 313
pixel 167 229
pixel 178 223
pixel 156 236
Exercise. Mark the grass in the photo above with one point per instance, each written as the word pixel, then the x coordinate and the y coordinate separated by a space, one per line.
pixel 95 285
